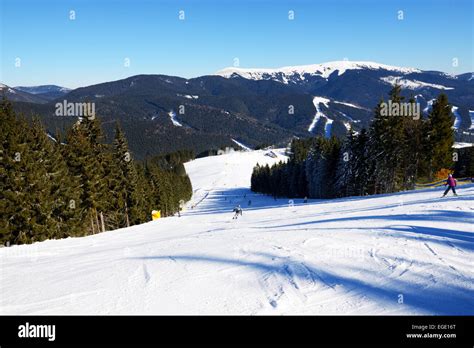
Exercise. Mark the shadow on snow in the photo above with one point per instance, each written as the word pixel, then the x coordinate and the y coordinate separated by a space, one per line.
pixel 447 300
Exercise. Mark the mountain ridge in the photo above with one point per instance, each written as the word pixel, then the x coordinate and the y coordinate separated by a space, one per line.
pixel 256 109
pixel 322 69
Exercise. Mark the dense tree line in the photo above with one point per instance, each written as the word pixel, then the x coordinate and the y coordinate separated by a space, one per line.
pixel 394 154
pixel 79 185
pixel 150 131
pixel 465 165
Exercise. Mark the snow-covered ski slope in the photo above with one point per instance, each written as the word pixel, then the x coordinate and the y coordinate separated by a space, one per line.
pixel 407 253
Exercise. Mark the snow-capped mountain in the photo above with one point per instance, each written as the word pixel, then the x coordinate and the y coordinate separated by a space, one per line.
pixel 43 89
pixel 260 106
pixel 358 86
pixel 5 88
pixel 48 92
pixel 320 74
pixel 295 74
pixel 17 95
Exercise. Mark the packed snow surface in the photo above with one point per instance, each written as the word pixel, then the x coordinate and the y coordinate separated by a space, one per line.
pixel 349 104
pixel 411 84
pixel 404 253
pixel 317 101
pixel 174 119
pixel 244 147
pixel 457 117
pixel 328 127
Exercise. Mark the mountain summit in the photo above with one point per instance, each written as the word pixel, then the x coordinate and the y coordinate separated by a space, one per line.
pixel 325 70
pixel 257 106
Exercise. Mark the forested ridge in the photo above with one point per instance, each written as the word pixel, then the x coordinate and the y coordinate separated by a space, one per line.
pixel 79 185
pixel 393 154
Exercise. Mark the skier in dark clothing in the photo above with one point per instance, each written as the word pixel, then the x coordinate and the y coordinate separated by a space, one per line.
pixel 238 211
pixel 451 183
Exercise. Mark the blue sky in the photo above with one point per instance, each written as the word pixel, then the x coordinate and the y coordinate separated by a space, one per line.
pixel 92 48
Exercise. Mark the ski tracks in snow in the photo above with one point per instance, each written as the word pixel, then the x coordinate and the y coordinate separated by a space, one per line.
pixel 135 289
pixel 343 256
pixel 290 282
pixel 292 285
pixel 459 274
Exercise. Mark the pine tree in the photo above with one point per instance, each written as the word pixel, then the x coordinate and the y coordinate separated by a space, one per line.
pixel 66 191
pixel 390 157
pixel 50 189
pixel 465 164
pixel 13 140
pixel 321 168
pixel 440 135
pixel 362 165
pixel 331 168
pixel 128 200
pixel 88 161
pixel 29 195
pixel 412 150
pixel 386 145
pixel 345 177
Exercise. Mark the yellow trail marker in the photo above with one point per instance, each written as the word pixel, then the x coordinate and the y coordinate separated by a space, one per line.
pixel 156 214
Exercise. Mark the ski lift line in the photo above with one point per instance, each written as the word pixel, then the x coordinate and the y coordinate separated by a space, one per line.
pixel 440 182
pixel 443 180
pixel 203 198
pixel 428 186
pixel 432 183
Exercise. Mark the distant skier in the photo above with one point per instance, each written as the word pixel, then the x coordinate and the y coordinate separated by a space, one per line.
pixel 451 183
pixel 238 211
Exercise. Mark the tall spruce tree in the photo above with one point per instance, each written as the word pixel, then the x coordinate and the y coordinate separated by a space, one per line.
pixel 127 204
pixel 440 135
pixel 90 164
pixel 345 171
pixel 386 145
pixel 362 165
pixel 13 140
pixel 412 149
pixel 67 192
